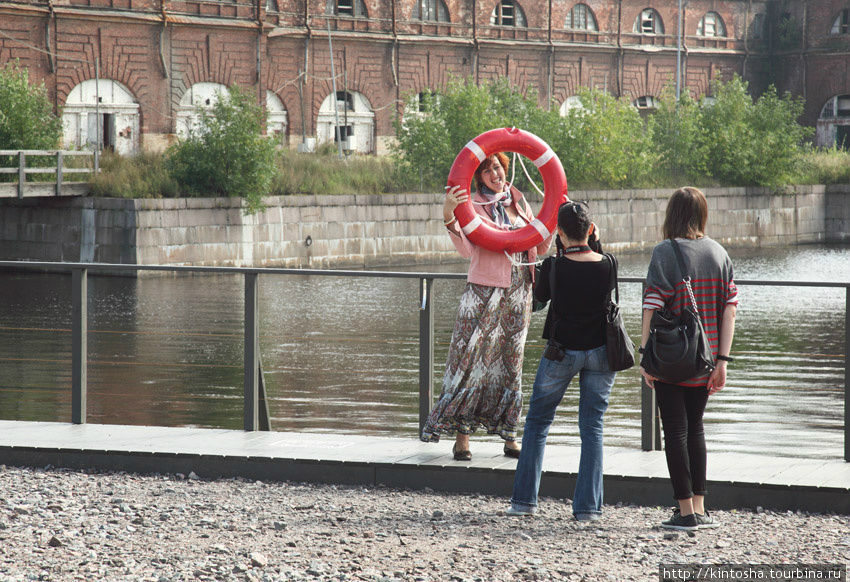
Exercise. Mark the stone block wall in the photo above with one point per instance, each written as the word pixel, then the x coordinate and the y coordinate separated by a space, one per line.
pixel 359 231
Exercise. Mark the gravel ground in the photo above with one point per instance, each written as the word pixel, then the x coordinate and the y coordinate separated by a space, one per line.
pixel 65 525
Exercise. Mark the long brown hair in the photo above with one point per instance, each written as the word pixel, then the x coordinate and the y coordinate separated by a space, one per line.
pixel 500 157
pixel 687 213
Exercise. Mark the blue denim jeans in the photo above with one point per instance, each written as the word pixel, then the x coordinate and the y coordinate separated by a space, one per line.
pixel 553 378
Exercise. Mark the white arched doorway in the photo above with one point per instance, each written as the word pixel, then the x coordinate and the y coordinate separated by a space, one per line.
pixel 276 118
pixel 101 111
pixel 833 125
pixel 198 97
pixel 356 121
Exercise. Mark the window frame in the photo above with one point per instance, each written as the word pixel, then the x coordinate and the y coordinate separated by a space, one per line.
pixel 841 24
pixel 718 24
pixel 497 18
pixel 436 7
pixel 589 18
pixel 657 22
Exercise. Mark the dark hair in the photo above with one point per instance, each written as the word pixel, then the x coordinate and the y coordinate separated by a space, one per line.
pixel 574 220
pixel 687 213
pixel 502 159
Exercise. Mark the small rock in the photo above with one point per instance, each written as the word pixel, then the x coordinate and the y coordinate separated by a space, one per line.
pixel 525 536
pixel 671 535
pixel 759 509
pixel 258 560
pixel 55 542
pixel 721 544
pixel 193 476
pixel 279 526
pixel 437 514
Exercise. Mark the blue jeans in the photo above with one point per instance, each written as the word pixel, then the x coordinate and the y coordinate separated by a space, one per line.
pixel 553 378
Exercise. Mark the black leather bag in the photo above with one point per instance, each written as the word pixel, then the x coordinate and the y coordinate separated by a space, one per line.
pixel 677 348
pixel 619 346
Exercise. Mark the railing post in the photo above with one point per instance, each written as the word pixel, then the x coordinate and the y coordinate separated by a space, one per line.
pixel 650 430
pixel 847 374
pixel 79 351
pixel 426 351
pixel 22 173
pixel 252 354
pixel 59 160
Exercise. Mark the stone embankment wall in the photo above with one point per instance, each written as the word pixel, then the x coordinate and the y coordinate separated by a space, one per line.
pixel 372 231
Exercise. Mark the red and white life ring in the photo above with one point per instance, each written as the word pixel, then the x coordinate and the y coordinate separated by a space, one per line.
pixel 554 189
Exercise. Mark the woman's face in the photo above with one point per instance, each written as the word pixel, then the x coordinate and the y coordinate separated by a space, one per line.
pixel 493 175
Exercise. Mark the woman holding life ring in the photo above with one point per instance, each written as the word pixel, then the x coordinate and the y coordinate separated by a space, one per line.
pixel 482 385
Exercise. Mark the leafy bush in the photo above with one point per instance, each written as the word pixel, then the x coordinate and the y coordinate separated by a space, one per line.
pixel 752 143
pixel 226 154
pixel 679 138
pixel 27 121
pixel 142 176
pixel 604 143
pixel 427 143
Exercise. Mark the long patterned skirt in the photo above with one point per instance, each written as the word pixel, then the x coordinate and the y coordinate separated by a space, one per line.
pixel 482 385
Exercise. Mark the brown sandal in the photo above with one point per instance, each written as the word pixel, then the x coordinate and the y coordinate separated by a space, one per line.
pixel 512 453
pixel 461 455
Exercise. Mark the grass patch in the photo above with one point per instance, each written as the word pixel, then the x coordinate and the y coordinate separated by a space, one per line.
pixel 141 176
pixel 324 173
pixel 824 166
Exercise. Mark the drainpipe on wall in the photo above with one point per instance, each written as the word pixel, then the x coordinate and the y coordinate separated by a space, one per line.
pixel 551 79
pixel 620 48
pixel 805 48
pixel 475 41
pixel 746 39
pixel 259 13
pixel 162 29
pixel 51 66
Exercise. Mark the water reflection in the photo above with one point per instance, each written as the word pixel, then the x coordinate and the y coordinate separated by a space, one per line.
pixel 341 354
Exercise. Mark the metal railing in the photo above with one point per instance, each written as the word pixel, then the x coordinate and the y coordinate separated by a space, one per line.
pixel 254 397
pixel 58 171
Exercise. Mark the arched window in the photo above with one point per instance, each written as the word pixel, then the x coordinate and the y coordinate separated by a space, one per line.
pixel 757 26
pixel 649 22
pixel 347 8
pixel 430 10
pixel 101 113
pixel 833 127
pixel 571 103
pixel 356 121
pixel 838 106
pixel 842 23
pixel 508 13
pixel 276 118
pixel 711 25
pixel 645 103
pixel 271 5
pixel 581 18
pixel 199 96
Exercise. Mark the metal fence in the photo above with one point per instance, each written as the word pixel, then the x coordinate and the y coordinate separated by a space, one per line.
pixel 254 396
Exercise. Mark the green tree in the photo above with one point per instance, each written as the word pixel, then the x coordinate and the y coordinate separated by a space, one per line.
pixel 604 142
pixel 226 153
pixel 752 143
pixel 27 121
pixel 427 142
pixel 679 138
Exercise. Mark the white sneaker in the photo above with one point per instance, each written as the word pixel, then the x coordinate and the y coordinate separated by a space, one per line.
pixel 520 511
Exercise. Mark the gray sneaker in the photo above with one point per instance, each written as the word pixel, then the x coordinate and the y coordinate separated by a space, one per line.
pixel 520 511
pixel 681 522
pixel 706 521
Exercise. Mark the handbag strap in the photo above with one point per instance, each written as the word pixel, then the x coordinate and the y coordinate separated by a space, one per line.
pixel 686 278
pixel 614 281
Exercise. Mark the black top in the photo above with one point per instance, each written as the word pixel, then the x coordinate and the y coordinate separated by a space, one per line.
pixel 579 293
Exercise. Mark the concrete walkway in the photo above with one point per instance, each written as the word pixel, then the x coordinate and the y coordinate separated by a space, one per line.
pixel 631 476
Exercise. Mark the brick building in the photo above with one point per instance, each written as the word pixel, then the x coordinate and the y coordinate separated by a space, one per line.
pixel 138 70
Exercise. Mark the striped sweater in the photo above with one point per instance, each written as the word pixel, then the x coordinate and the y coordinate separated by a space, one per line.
pixel 712 281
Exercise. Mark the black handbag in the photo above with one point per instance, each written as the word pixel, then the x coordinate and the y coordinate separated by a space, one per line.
pixel 677 348
pixel 619 346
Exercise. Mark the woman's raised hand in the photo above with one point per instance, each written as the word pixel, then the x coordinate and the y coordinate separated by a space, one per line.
pixel 455 196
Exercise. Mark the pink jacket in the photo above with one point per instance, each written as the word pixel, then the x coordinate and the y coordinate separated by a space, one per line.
pixel 487 267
